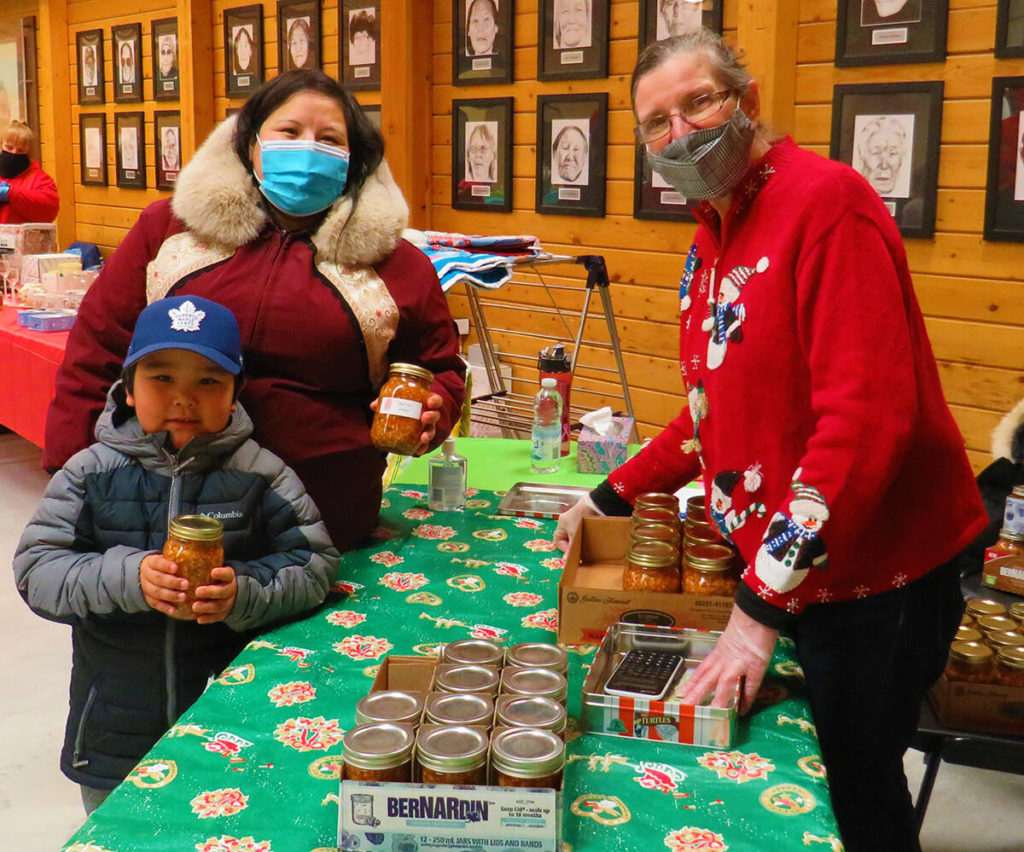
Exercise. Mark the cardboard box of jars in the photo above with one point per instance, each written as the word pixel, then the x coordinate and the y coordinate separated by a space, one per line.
pixel 428 816
pixel 591 598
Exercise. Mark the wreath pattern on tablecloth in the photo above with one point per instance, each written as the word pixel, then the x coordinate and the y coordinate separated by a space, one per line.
pixel 226 801
pixel 736 766
pixel 294 692
pixel 226 843
pixel 691 839
pixel 306 734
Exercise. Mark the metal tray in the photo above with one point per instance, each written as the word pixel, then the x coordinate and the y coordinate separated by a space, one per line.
pixel 540 500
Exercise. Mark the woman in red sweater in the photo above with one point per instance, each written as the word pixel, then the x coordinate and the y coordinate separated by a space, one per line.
pixel 27 193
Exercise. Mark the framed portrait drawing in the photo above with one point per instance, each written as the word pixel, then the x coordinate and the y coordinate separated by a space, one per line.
pixel 886 32
pixel 89 50
pixel 92 142
pixel 660 19
pixel 126 41
pixel 243 50
pixel 1010 29
pixel 572 39
pixel 889 132
pixel 572 132
pixel 482 154
pixel 165 59
pixel 654 197
pixel 298 34
pixel 130 143
pixel 167 138
pixel 482 41
pixel 359 25
pixel 1004 189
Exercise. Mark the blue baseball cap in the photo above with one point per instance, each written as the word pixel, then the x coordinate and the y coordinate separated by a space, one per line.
pixel 188 322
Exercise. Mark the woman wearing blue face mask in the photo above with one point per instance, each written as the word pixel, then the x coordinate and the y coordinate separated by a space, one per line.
pixel 288 216
pixel 815 415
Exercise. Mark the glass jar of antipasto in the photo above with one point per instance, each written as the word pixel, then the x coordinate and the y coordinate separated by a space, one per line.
pixel 396 425
pixel 977 607
pixel 530 711
pixel 993 623
pixel 452 754
pixel 651 566
pixel 381 751
pixel 483 679
pixel 656 532
pixel 195 543
pixel 655 515
pixel 972 662
pixel 967 634
pixel 1010 666
pixel 538 655
pixel 473 652
pixel 458 708
pixel 999 639
pixel 547 682
pixel 697 534
pixel 710 569
pixel 657 498
pixel 696 510
pixel 527 757
pixel 390 705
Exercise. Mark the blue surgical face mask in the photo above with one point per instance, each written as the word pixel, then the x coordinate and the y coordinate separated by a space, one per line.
pixel 302 177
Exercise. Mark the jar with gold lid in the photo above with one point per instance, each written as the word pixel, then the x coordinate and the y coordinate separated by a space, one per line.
pixel 1017 612
pixel 452 754
pixel 698 534
pixel 656 532
pixel 527 757
pixel 655 515
pixel 403 398
pixel 195 543
pixel 1010 666
pixel 473 652
pixel 999 639
pixel 657 498
pixel 710 569
pixel 972 662
pixel 990 623
pixel 977 607
pixel 696 510
pixel 459 708
pixel 967 634
pixel 381 751
pixel 651 566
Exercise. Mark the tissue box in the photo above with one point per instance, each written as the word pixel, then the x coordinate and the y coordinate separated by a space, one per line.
pixel 46 320
pixel 34 267
pixel 603 453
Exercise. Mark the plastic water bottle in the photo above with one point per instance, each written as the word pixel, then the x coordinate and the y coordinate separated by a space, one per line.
pixel 447 479
pixel 554 362
pixel 546 449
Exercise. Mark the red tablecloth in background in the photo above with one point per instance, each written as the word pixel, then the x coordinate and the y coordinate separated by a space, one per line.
pixel 28 370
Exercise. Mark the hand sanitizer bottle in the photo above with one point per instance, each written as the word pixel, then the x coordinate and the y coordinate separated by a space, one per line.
pixel 447 479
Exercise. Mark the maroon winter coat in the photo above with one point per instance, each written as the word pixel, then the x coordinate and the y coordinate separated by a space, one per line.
pixel 321 316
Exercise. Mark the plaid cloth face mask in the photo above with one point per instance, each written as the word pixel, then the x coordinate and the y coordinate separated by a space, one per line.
pixel 707 163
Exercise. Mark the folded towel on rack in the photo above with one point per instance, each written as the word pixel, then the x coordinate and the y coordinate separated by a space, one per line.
pixel 482 261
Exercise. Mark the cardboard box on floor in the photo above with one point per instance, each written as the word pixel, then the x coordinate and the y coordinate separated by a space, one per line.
pixel 987 707
pixel 590 595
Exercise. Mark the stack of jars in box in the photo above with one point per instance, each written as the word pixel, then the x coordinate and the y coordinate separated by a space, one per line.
pixel 489 717
pixel 989 645
pixel 664 555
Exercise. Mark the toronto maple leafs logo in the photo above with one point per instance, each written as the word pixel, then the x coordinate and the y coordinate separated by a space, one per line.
pixel 186 318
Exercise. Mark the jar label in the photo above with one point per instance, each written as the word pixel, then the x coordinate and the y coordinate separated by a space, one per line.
pixel 401 407
pixel 1013 515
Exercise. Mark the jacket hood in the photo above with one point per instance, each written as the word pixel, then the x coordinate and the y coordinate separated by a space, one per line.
pixel 119 429
pixel 1008 436
pixel 217 199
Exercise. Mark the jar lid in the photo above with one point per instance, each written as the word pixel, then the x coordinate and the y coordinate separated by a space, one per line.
pixel 1005 639
pixel 450 678
pixel 655 515
pixel 1017 610
pixel 534 682
pixel 652 554
pixel 1012 658
pixel 696 503
pixel 983 606
pixel 658 498
pixel 654 532
pixel 1010 535
pixel 527 752
pixel 473 652
pixel 380 745
pixel 973 653
pixel 541 655
pixel 967 634
pixel 701 534
pixel 390 705
pixel 532 711
pixel 196 528
pixel 709 557
pixel 411 370
pixel 459 708
pixel 989 623
pixel 451 748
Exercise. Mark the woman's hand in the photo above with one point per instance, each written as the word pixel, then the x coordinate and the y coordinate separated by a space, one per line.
pixel 428 418
pixel 214 602
pixel 744 648
pixel 569 521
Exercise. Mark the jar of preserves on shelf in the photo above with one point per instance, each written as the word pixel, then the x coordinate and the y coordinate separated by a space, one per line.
pixel 381 751
pixel 657 498
pixel 530 711
pixel 710 569
pixel 967 634
pixel 390 705
pixel 195 543
pixel 991 623
pixel 547 682
pixel 1010 666
pixel 999 639
pixel 538 655
pixel 483 679
pixel 458 708
pixel 651 566
pixel 527 757
pixel 972 662
pixel 452 754
pixel 977 607
pixel 396 425
pixel 473 652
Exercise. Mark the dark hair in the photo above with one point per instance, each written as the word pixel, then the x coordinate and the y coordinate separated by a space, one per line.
pixel 365 142
pixel 128 380
pixel 362 23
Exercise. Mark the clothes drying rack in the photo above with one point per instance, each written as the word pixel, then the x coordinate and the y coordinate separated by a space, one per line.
pixel 513 412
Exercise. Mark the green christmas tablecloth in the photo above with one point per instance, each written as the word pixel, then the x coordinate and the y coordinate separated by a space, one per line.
pixel 253 765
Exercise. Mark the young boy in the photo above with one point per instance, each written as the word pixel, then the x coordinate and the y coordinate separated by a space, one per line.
pixel 90 556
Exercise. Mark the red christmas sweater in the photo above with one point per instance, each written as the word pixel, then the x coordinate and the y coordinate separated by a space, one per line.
pixel 814 412
pixel 32 198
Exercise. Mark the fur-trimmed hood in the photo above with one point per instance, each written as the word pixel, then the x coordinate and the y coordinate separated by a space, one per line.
pixel 1008 436
pixel 218 200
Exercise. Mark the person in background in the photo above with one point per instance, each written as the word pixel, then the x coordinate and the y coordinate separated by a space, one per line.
pixel 812 389
pixel 287 215
pixel 27 193
pixel 172 441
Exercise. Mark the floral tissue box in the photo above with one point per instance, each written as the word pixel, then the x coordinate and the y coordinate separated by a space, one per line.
pixel 603 453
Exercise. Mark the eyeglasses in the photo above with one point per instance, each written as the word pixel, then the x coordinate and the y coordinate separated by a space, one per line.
pixel 695 110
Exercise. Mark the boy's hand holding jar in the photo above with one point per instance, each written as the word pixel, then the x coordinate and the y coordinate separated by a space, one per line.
pixel 166 592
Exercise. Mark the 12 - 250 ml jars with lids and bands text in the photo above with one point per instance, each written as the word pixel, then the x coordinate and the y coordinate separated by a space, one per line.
pixel 195 543
pixel 403 398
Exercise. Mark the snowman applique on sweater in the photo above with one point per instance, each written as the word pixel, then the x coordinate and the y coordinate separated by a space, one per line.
pixel 791 545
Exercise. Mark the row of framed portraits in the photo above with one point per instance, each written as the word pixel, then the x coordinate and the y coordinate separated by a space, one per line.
pixel 130 148
pixel 888 132
pixel 126 45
